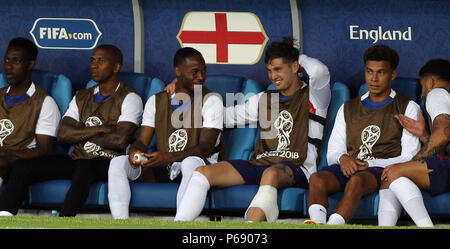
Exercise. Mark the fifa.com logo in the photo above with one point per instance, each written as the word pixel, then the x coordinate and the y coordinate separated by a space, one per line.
pixel 183 119
pixel 61 33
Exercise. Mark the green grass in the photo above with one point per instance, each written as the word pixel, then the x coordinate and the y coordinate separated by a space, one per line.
pixel 39 222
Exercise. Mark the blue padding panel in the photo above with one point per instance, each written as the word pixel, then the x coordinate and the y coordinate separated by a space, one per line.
pixel 240 197
pixel 339 94
pixel 438 205
pixel 240 142
pixel 155 195
pixel 143 84
pixel 408 87
pixel 236 197
pixel 223 84
pixel 53 192
pixel 368 205
pixel 292 199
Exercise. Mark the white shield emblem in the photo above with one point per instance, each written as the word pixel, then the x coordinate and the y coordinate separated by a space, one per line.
pixel 224 37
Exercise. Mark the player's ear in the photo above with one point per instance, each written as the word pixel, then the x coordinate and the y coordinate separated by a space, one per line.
pixel 295 66
pixel 178 71
pixel 394 74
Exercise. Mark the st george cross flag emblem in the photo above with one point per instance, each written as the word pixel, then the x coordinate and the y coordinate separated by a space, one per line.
pixel 224 37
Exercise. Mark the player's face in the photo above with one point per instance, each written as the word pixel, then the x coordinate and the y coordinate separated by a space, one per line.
pixel 102 66
pixel 379 76
pixel 192 72
pixel 283 75
pixel 16 66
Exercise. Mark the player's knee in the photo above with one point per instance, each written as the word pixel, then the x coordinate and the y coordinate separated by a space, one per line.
pixel 271 174
pixel 116 166
pixel 316 182
pixel 189 164
pixel 354 185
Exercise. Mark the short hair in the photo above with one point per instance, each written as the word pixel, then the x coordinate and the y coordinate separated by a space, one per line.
pixel 284 49
pixel 382 53
pixel 31 50
pixel 439 68
pixel 115 52
pixel 183 53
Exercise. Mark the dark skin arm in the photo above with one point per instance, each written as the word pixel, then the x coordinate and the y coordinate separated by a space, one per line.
pixel 439 138
pixel 73 132
pixel 205 148
pixel 119 137
pixel 107 136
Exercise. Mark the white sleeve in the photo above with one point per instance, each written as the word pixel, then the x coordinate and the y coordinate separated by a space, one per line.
pixel 49 118
pixel 212 112
pixel 337 144
pixel 131 110
pixel 148 118
pixel 319 81
pixel 438 102
pixel 410 143
pixel 72 111
pixel 243 113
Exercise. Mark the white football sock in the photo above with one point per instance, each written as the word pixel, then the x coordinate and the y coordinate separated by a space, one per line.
pixel 336 219
pixel 389 209
pixel 5 213
pixel 194 198
pixel 411 199
pixel 318 213
pixel 119 192
pixel 188 166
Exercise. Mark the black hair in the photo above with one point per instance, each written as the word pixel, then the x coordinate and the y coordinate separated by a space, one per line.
pixel 284 49
pixel 439 68
pixel 183 53
pixel 31 50
pixel 115 52
pixel 382 53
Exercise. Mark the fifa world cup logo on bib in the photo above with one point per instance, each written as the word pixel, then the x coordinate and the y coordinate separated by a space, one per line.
pixel 284 124
pixel 90 147
pixel 369 136
pixel 6 128
pixel 93 121
pixel 178 140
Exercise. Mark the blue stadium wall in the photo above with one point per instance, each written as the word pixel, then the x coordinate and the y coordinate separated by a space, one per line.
pixel 333 31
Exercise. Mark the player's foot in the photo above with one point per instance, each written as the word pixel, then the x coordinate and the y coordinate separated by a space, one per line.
pixel 310 222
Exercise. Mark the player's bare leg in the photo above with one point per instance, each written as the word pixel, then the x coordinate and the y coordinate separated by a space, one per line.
pixel 359 185
pixel 275 177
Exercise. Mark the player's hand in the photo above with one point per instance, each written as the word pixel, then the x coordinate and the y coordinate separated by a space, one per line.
pixel 348 165
pixel 170 88
pixel 416 127
pixel 362 165
pixel 156 159
pixel 133 162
